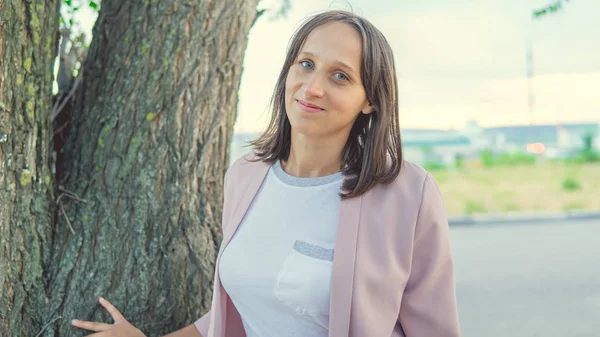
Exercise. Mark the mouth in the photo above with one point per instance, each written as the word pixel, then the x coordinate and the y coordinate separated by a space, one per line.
pixel 305 106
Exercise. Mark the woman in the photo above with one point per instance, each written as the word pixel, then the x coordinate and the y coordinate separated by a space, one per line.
pixel 327 230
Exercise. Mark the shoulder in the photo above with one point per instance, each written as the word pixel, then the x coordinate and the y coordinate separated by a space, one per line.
pixel 412 181
pixel 413 192
pixel 412 171
pixel 244 166
pixel 245 159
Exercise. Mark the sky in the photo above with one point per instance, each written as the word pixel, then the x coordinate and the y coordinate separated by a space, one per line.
pixel 456 60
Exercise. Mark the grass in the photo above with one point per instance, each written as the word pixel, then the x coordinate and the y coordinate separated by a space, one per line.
pixel 570 184
pixel 549 186
pixel 473 207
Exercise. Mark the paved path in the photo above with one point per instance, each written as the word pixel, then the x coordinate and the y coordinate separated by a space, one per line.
pixel 529 280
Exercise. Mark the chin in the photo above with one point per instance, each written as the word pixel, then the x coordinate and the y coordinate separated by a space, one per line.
pixel 305 123
pixel 303 127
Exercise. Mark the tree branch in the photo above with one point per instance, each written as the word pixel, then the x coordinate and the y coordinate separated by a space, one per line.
pixel 550 9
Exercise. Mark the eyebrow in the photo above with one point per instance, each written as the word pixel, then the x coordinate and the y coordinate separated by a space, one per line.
pixel 337 62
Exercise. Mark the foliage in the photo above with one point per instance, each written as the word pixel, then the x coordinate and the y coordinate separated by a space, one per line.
pixel 518 158
pixel 69 8
pixel 489 158
pixel 570 184
pixel 588 140
pixel 74 41
pixel 588 154
pixel 472 207
pixel 426 149
pixel 433 166
pixel 573 206
pixel 549 9
pixel 459 161
pixel 510 207
pixel 521 188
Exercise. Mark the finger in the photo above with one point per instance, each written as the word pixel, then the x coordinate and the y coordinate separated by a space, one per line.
pixel 92 326
pixel 116 314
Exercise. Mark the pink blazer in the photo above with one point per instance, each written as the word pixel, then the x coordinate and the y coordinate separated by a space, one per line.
pixel 393 268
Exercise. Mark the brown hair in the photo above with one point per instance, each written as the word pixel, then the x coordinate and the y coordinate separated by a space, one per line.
pixel 373 151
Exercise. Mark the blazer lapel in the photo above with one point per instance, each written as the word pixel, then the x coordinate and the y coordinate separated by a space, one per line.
pixel 249 180
pixel 342 279
pixel 253 174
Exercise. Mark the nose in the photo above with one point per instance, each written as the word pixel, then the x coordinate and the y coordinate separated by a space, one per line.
pixel 314 86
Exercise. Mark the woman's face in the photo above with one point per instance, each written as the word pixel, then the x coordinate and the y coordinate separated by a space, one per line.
pixel 324 93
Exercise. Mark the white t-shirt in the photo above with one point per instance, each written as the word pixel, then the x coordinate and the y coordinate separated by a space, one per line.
pixel 277 267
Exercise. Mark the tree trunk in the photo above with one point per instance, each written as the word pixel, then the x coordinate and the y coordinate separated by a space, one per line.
pixel 27 51
pixel 139 205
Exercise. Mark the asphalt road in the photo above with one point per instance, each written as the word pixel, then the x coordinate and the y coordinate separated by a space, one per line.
pixel 529 280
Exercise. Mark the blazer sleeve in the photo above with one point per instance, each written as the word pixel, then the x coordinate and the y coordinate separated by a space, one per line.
pixel 429 307
pixel 202 324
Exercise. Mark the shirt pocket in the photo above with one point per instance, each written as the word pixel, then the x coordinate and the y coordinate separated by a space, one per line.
pixel 304 280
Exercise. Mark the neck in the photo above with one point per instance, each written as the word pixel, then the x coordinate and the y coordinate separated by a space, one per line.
pixel 310 157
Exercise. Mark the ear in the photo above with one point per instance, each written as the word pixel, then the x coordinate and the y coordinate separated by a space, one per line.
pixel 367 109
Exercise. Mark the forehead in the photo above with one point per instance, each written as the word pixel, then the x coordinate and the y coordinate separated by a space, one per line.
pixel 335 42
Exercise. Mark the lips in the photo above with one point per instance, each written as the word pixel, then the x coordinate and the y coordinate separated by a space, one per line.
pixel 308 107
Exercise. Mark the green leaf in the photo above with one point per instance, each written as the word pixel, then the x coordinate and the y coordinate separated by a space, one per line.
pixel 94 5
pixel 68 3
pixel 539 13
pixel 552 8
pixel 555 7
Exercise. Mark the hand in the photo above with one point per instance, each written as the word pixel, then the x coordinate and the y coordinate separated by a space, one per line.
pixel 121 327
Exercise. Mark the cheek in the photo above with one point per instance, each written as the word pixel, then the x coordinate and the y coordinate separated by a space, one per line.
pixel 288 84
pixel 348 105
pixel 292 80
pixel 289 87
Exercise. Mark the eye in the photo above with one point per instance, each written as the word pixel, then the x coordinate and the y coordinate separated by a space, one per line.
pixel 341 77
pixel 306 64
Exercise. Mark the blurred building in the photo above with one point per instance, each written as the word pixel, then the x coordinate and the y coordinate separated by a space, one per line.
pixel 553 141
pixel 561 135
pixel 445 147
pixel 437 146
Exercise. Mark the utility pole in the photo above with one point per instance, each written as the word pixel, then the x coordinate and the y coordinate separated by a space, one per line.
pixel 531 95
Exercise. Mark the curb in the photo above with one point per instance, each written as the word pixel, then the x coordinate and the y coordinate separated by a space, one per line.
pixel 506 218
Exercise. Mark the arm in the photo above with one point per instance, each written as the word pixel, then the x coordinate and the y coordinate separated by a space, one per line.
pixel 122 327
pixel 188 331
pixel 429 306
pixel 198 329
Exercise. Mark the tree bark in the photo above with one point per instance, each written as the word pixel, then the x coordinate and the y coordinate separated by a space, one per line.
pixel 27 51
pixel 138 215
